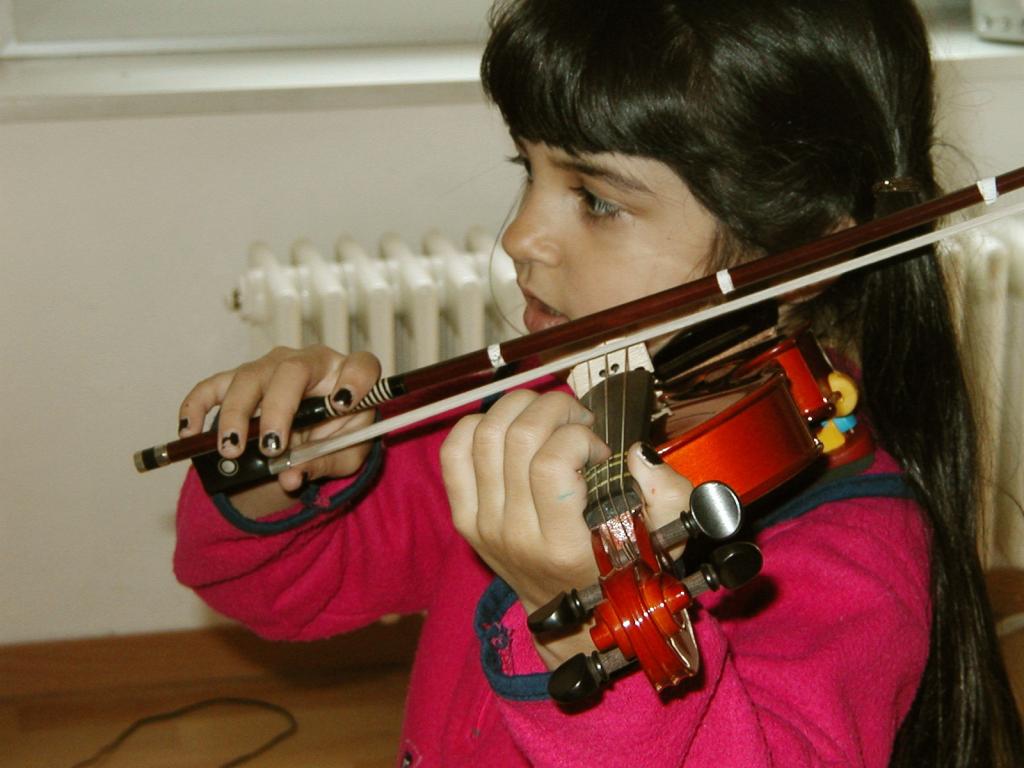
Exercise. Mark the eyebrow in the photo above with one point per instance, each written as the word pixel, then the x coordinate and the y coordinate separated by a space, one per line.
pixel 599 171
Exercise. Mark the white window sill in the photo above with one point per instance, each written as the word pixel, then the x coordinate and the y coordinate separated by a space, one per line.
pixel 954 41
pixel 162 84
pixel 166 84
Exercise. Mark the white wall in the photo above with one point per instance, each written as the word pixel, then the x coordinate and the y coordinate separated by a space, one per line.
pixel 119 239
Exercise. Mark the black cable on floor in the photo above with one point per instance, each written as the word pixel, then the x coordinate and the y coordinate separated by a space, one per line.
pixel 291 728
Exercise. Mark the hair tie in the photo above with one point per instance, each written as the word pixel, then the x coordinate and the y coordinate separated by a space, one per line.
pixel 893 194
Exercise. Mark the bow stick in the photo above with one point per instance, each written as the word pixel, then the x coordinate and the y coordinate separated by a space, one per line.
pixel 636 321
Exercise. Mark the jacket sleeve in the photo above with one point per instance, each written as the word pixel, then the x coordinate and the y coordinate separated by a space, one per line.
pixel 815 663
pixel 318 569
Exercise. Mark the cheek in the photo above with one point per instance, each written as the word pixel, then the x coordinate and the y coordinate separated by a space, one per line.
pixel 602 275
pixel 601 289
pixel 658 270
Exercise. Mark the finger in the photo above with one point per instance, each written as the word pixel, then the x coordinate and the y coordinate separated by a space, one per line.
pixel 531 429
pixel 488 461
pixel 356 376
pixel 292 480
pixel 203 397
pixel 526 436
pixel 666 492
pixel 294 377
pixel 338 464
pixel 558 486
pixel 459 476
pixel 240 401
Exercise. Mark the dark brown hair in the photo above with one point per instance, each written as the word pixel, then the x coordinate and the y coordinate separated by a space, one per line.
pixel 781 116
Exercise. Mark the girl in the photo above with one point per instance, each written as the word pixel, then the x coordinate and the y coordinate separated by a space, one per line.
pixel 660 140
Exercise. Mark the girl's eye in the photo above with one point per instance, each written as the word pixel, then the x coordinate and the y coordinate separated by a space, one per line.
pixel 596 207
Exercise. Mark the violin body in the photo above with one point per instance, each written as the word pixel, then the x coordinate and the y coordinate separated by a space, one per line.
pixel 750 437
pixel 755 420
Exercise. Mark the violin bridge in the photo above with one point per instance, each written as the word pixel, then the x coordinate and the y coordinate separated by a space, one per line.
pixel 585 376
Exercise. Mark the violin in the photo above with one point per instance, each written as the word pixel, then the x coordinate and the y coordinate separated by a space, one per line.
pixel 706 410
pixel 738 428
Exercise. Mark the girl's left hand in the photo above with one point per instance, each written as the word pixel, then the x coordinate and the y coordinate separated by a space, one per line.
pixel 515 485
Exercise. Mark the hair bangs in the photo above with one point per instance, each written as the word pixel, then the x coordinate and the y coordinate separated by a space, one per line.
pixel 569 75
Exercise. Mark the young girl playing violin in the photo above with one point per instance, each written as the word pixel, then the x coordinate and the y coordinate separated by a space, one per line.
pixel 661 140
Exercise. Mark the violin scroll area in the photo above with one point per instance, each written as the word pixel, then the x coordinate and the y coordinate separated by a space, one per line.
pixel 644 620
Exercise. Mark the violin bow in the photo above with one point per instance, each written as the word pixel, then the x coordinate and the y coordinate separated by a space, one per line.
pixel 663 313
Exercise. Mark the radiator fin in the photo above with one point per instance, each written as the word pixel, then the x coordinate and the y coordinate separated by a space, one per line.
pixel 987 275
pixel 410 307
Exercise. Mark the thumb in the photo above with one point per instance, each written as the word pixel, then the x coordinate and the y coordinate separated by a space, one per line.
pixel 665 491
pixel 339 464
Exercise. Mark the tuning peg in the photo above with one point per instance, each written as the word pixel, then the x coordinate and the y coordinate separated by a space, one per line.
pixel 569 609
pixel 715 511
pixel 732 566
pixel 582 677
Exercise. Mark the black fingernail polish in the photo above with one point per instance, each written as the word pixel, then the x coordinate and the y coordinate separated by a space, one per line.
pixel 649 455
pixel 231 438
pixel 271 442
pixel 343 397
pixel 182 424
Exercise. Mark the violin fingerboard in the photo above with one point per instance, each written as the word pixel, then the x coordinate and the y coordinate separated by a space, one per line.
pixel 622 406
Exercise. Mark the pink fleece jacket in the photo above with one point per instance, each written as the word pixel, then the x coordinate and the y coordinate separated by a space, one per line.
pixel 815 663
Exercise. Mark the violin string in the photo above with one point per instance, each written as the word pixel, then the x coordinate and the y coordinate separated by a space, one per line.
pixel 620 448
pixel 315 449
pixel 619 460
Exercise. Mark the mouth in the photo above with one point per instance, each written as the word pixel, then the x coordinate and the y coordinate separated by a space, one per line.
pixel 538 316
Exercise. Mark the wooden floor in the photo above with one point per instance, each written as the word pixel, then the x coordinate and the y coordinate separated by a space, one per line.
pixel 347 696
pixel 352 723
pixel 61 702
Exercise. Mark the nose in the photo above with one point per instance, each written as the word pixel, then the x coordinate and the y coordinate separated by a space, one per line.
pixel 530 236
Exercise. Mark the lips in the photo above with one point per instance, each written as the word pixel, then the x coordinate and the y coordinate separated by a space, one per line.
pixel 537 316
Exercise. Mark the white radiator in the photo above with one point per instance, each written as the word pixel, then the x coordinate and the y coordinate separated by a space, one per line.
pixel 410 307
pixel 413 307
pixel 988 277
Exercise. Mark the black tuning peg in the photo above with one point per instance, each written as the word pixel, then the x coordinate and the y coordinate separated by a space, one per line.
pixel 582 677
pixel 732 566
pixel 568 610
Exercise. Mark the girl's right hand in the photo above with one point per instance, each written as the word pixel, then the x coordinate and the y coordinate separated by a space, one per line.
pixel 274 384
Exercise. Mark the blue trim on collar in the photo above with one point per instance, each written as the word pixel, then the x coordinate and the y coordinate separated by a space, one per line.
pixel 310 507
pixel 886 484
pixel 494 638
